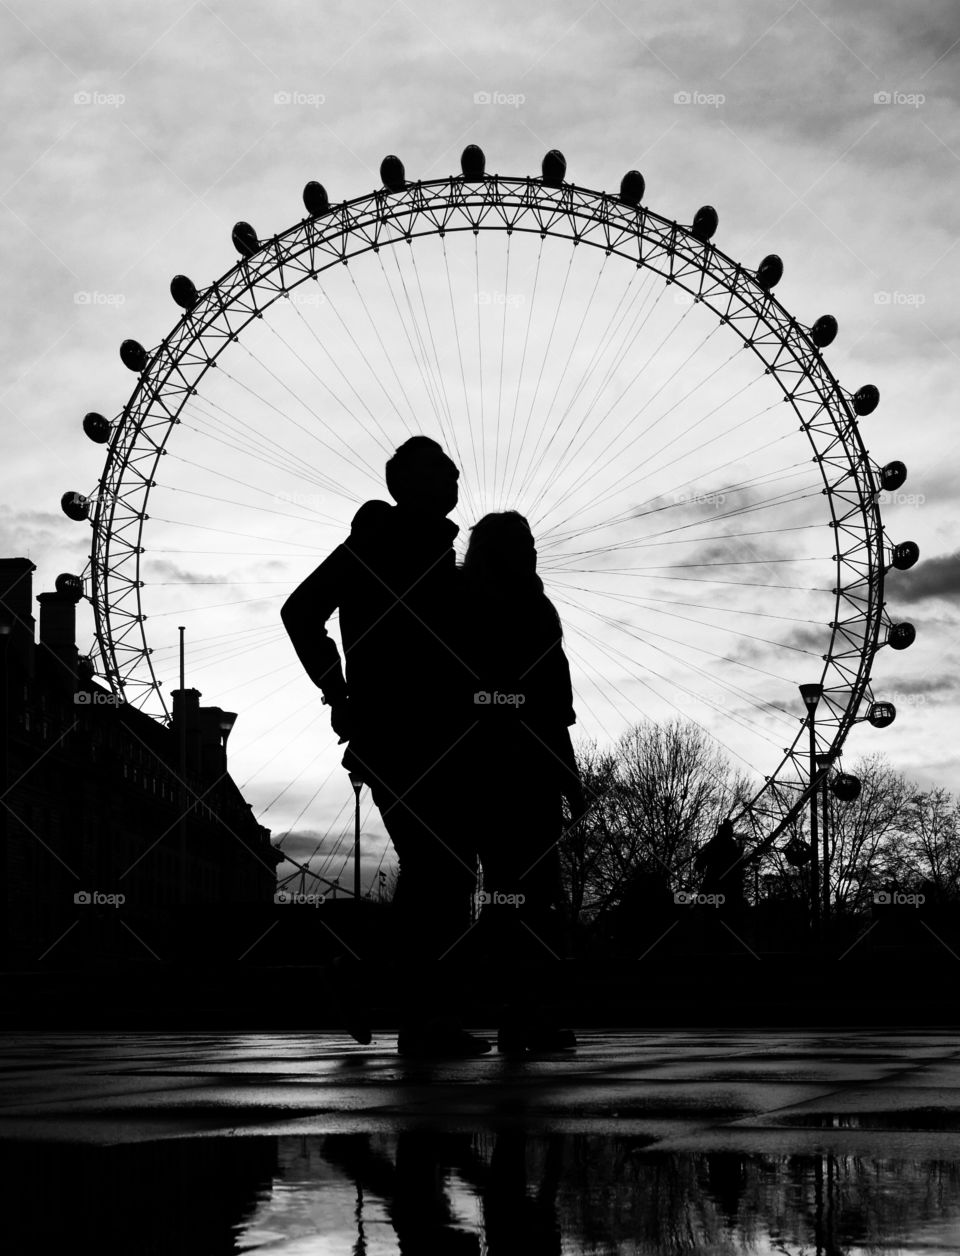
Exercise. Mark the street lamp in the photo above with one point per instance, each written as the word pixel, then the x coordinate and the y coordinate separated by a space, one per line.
pixel 357 783
pixel 823 766
pixel 811 695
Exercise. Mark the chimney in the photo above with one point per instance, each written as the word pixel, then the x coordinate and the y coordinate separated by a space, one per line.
pixel 186 714
pixel 58 638
pixel 16 613
pixel 215 728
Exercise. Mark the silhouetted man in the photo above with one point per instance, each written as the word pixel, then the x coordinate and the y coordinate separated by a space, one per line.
pixel 403 703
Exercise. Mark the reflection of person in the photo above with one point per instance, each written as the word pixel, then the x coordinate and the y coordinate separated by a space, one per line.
pixel 403 704
pixel 522 759
pixel 415 1189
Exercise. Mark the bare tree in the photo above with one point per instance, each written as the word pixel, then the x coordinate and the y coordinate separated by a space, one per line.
pixel 656 798
pixel 932 841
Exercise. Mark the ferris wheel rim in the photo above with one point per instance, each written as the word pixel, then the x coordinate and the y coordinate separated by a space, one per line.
pixel 606 222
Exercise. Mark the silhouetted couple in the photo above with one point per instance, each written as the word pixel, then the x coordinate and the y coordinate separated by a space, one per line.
pixel 456 702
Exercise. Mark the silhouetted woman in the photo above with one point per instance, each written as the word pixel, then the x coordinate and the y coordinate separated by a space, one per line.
pixel 523 759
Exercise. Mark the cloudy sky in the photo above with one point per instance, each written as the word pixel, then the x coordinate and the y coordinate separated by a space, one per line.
pixel 825 132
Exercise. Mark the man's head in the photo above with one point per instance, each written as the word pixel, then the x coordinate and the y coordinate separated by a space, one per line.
pixel 421 477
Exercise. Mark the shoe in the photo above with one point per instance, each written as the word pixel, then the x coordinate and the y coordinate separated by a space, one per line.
pixel 441 1041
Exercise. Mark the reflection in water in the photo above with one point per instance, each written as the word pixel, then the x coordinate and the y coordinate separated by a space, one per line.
pixel 455 1194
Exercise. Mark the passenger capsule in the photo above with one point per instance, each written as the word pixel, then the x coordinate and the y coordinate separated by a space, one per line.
pixel 905 555
pixel 75 506
pixel 845 787
pixel 882 714
pixel 892 476
pixel 632 188
pixel 69 584
pixel 133 355
pixel 901 636
pixel 769 272
pixel 183 292
pixel 392 174
pixel 473 163
pixel 245 239
pixel 96 427
pixel 705 223
pixel 554 168
pixel 824 331
pixel 315 199
pixel 866 399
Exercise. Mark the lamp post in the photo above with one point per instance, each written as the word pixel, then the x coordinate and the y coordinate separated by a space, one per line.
pixel 823 766
pixel 811 695
pixel 357 783
pixel 5 716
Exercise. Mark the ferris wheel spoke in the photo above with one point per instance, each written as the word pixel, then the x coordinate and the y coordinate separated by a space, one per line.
pixel 740 634
pixel 568 358
pixel 503 347
pixel 441 374
pixel 376 432
pixel 582 434
pixel 552 537
pixel 620 488
pixel 247 439
pixel 252 536
pixel 606 458
pixel 523 360
pixel 231 501
pixel 430 372
pixel 643 601
pixel 314 717
pixel 613 653
pixel 463 375
pixel 517 458
pixel 643 637
pixel 290 419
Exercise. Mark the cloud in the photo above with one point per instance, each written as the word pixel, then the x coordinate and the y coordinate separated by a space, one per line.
pixel 932 578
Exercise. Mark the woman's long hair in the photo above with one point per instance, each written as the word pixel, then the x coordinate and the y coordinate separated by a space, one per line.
pixel 501 559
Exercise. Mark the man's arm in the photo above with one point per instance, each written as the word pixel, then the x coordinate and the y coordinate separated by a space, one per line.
pixel 305 614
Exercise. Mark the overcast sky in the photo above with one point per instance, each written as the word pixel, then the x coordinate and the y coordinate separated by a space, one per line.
pixel 825 132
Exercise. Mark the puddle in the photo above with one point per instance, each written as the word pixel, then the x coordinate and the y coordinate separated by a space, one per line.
pixel 468 1194
pixel 899 1119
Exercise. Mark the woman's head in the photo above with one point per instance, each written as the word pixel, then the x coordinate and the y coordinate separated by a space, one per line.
pixel 501 545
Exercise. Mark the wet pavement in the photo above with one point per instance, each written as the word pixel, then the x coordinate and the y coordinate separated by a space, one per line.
pixel 669 1140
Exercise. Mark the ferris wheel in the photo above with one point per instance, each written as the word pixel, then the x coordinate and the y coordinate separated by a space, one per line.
pixel 706 513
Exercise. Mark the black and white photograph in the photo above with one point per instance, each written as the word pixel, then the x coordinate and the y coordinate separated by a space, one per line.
pixel 480 628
